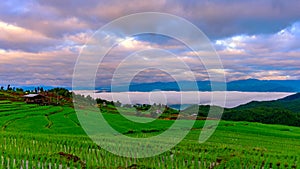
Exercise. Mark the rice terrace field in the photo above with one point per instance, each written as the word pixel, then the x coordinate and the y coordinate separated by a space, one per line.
pixel 133 84
pixel 34 136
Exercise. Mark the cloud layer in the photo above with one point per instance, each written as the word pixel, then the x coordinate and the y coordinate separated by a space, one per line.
pixel 40 40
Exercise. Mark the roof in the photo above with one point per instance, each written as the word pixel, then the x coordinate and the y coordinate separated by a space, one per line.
pixel 32 95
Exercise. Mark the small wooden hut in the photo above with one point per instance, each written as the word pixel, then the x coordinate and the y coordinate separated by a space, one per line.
pixel 34 99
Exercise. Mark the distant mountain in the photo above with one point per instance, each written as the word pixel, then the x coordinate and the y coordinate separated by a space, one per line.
pixel 249 85
pixel 44 87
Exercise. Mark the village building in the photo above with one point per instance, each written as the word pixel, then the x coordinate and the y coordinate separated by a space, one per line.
pixel 35 99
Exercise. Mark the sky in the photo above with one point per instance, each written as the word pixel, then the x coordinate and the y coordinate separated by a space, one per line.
pixel 40 41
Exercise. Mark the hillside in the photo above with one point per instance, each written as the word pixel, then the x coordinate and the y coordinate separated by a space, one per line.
pixel 54 137
pixel 283 111
pixel 290 103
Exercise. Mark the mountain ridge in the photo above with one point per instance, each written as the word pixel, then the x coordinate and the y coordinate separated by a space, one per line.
pixel 282 111
pixel 247 85
pixel 285 111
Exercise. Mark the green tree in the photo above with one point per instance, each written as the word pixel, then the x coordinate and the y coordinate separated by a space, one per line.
pixel 118 103
pixel 19 90
pixel 8 87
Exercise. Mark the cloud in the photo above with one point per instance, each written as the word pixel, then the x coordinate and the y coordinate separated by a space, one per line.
pixel 255 39
pixel 226 18
pixel 264 56
pixel 216 18
pixel 45 68
pixel 15 38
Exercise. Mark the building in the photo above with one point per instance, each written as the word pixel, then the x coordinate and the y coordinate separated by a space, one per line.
pixel 35 99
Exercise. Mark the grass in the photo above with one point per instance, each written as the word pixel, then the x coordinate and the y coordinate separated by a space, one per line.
pixel 48 135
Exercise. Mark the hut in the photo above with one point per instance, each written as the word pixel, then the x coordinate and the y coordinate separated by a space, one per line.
pixel 34 99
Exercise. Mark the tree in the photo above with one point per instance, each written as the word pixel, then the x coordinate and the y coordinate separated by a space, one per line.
pixel 19 90
pixel 138 113
pixel 89 99
pixel 118 103
pixel 8 87
pixel 61 92
pixel 153 114
pixel 2 87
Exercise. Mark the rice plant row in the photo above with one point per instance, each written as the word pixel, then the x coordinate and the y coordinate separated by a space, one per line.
pixel 35 151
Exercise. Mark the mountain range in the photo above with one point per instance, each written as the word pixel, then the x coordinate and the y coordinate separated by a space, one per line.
pixel 248 85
